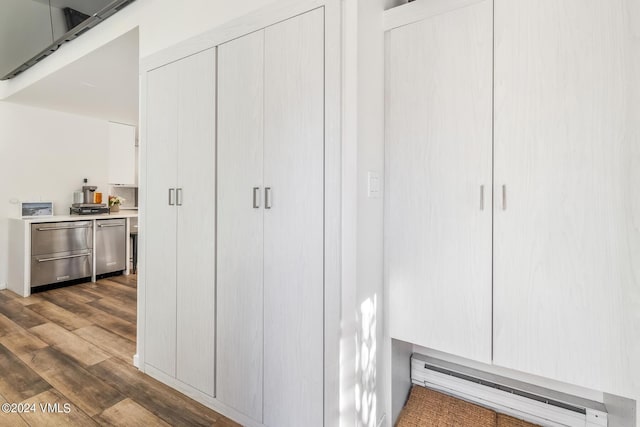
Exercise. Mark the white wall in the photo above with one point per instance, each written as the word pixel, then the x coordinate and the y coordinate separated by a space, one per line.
pixel 44 155
pixel 363 299
pixel 370 210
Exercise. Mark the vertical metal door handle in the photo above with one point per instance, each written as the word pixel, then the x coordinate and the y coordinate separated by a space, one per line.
pixel 178 196
pixel 267 197
pixel 256 197
pixel 504 197
pixel 482 197
pixel 171 202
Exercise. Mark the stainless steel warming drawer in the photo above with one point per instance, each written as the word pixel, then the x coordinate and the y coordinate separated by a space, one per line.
pixel 61 251
pixel 60 267
pixel 52 237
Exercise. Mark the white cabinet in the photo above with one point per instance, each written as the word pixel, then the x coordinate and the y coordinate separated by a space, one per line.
pixel 561 282
pixel 240 262
pixel 438 234
pixel 567 245
pixel 180 221
pixel 270 281
pixel 122 154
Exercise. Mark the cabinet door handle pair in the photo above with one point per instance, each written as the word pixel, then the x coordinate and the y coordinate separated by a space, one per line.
pixel 504 197
pixel 177 200
pixel 267 197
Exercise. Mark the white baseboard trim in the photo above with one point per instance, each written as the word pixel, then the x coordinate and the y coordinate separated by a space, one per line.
pixel 3 286
pixel 136 361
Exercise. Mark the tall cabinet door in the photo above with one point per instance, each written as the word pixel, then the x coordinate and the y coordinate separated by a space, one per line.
pixel 293 221
pixel 439 160
pixel 567 150
pixel 160 219
pixel 240 224
pixel 195 200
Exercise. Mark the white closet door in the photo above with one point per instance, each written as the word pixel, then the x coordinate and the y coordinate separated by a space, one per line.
pixel 195 201
pixel 438 228
pixel 240 224
pixel 293 226
pixel 160 220
pixel 567 147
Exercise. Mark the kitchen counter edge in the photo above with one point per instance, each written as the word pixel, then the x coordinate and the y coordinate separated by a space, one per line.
pixel 61 218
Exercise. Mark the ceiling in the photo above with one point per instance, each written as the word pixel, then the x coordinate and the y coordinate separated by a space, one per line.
pixel 102 84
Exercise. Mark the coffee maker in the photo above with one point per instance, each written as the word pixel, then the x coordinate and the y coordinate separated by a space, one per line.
pixel 87 207
pixel 87 192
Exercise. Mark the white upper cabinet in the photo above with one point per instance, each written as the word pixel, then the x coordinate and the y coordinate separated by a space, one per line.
pixel 122 154
pixel 438 207
pixel 567 150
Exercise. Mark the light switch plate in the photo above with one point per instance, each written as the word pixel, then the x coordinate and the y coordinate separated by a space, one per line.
pixel 374 186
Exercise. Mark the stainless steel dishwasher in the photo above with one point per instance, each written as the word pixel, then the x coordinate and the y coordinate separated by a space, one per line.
pixel 61 251
pixel 111 249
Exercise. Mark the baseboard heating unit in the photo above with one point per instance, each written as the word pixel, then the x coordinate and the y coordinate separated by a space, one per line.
pixel 531 403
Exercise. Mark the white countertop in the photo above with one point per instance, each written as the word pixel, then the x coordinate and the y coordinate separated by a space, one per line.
pixel 57 218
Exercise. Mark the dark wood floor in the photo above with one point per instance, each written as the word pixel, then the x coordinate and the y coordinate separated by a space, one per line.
pixel 74 346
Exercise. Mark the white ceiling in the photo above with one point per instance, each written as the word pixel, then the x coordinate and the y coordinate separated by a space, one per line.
pixel 102 84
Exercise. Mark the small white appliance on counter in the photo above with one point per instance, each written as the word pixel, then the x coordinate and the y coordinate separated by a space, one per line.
pixel 36 209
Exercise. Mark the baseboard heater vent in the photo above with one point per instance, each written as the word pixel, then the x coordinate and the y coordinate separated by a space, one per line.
pixel 528 402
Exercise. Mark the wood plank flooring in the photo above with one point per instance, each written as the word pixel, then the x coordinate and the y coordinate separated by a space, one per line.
pixel 75 346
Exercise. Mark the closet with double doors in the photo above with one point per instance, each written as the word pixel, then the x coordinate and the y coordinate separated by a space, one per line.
pixel 513 169
pixel 270 223
pixel 234 277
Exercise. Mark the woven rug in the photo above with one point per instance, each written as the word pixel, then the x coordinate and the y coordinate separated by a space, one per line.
pixel 429 408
